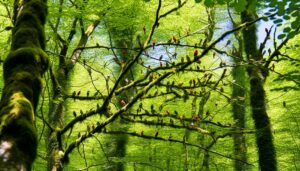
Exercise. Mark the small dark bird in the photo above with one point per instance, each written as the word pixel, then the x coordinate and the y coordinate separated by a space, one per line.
pixel 74 114
pixel 176 113
pixel 269 51
pixel 88 128
pixel 284 104
pixel 156 134
pixel 153 44
pixel 78 93
pixel 160 58
pixel 174 39
pixel 195 53
pixel 222 89
pixel 152 109
pixel 142 133
pixel 124 52
pixel 88 93
pixel 144 29
pixel 200 42
pixel 207 113
pixel 188 59
pixel 266 30
pixel 123 103
pixel 273 67
pixel 167 113
pixel 228 43
pixel 138 39
pixel 171 121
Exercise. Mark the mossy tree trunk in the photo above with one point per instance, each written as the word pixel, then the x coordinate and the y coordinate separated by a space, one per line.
pixel 238 108
pixel 23 69
pixel 257 74
pixel 122 39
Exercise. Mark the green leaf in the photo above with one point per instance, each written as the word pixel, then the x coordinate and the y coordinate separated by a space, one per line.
pixel 287 29
pixel 267 13
pixel 265 19
pixel 221 2
pixel 291 35
pixel 240 5
pixel 273 3
pixel 197 1
pixel 209 3
pixel 281 9
pixel 286 17
pixel 272 10
pixel 295 14
pixel 295 24
pixel 278 21
pixel 281 36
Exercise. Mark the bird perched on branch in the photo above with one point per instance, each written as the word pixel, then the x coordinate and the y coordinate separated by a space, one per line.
pixel 123 103
pixel 195 53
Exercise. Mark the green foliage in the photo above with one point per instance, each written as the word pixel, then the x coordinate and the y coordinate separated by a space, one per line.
pixel 181 114
pixel 208 3
pixel 240 5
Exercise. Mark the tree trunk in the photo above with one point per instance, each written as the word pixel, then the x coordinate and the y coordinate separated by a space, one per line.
pixel 118 144
pixel 60 80
pixel 23 69
pixel 264 138
pixel 238 109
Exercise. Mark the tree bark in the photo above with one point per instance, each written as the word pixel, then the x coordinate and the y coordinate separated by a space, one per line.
pixel 238 109
pixel 118 143
pixel 23 69
pixel 264 138
pixel 56 115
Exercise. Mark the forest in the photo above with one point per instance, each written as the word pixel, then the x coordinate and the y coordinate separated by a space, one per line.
pixel 150 85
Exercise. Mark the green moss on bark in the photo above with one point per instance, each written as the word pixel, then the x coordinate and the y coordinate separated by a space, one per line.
pixel 257 74
pixel 23 69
